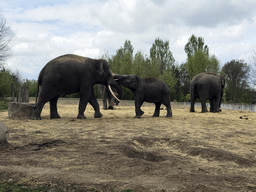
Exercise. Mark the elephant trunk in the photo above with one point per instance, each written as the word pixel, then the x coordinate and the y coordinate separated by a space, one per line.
pixel 113 83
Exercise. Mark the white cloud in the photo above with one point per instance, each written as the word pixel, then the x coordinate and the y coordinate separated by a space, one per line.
pixel 44 30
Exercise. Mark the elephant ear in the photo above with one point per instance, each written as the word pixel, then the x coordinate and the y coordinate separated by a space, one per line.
pixel 134 83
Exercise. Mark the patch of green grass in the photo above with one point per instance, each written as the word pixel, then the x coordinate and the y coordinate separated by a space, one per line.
pixel 4 105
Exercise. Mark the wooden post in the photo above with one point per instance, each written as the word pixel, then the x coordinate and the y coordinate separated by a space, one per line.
pixel 19 94
pixel 12 93
pixel 25 94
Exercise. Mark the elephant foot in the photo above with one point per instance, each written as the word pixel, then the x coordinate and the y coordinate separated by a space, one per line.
pixel 155 115
pixel 192 110
pixel 55 117
pixel 110 107
pixel 35 118
pixel 169 115
pixel 81 117
pixel 139 115
pixel 98 115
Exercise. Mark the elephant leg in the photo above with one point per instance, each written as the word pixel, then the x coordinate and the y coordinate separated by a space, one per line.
pixel 167 103
pixel 53 108
pixel 138 111
pixel 212 105
pixel 157 110
pixel 38 109
pixel 84 98
pixel 93 101
pixel 111 102
pixel 217 103
pixel 203 103
pixel 104 98
pixel 192 105
pixel 44 97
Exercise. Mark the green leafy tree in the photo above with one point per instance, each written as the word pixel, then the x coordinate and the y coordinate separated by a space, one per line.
pixel 161 56
pixel 194 44
pixel 32 87
pixel 121 63
pixel 6 81
pixel 198 59
pixel 213 64
pixel 139 65
pixel 197 63
pixel 236 74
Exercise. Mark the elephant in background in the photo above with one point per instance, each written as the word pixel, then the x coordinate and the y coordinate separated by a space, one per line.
pixel 71 74
pixel 152 90
pixel 107 98
pixel 207 86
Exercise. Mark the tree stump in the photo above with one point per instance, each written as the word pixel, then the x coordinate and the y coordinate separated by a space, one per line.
pixel 20 110
pixel 4 134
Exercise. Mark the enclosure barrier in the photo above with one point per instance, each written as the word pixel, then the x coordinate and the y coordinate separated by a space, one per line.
pixel 231 106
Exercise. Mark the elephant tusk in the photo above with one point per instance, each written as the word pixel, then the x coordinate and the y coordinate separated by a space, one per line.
pixel 113 93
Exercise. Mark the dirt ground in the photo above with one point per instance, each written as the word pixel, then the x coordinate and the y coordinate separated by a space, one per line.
pixel 188 152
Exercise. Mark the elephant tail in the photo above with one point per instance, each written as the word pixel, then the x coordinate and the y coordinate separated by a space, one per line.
pixel 192 91
pixel 38 83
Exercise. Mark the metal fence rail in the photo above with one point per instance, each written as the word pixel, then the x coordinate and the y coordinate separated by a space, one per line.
pixel 231 106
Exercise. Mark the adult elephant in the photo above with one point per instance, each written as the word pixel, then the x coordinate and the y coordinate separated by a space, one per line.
pixel 107 98
pixel 70 74
pixel 152 90
pixel 207 86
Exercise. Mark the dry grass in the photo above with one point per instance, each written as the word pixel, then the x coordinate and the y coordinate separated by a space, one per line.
pixel 190 151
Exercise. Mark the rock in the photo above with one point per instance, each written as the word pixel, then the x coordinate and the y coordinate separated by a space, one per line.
pixel 20 110
pixel 4 134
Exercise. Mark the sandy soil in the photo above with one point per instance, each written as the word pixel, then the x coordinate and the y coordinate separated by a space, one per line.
pixel 188 152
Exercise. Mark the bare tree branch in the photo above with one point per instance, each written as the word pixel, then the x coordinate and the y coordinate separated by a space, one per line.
pixel 5 51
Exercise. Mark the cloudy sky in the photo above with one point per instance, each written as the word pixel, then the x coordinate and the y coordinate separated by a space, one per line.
pixel 45 29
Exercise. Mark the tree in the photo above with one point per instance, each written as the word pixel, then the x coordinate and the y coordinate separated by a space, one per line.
pixel 4 41
pixel 5 83
pixel 194 44
pixel 161 56
pixel 197 63
pixel 121 63
pixel 198 59
pixel 213 64
pixel 236 74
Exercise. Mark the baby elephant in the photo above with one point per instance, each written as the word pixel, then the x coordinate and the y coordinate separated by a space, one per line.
pixel 152 90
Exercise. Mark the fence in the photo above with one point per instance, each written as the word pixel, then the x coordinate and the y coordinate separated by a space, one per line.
pixel 22 94
pixel 232 106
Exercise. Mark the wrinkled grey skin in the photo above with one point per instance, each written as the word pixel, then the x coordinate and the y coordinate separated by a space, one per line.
pixel 207 86
pixel 152 90
pixel 71 74
pixel 107 98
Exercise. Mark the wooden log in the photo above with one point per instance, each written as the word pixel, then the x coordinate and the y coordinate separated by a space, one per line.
pixel 20 110
pixel 4 134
